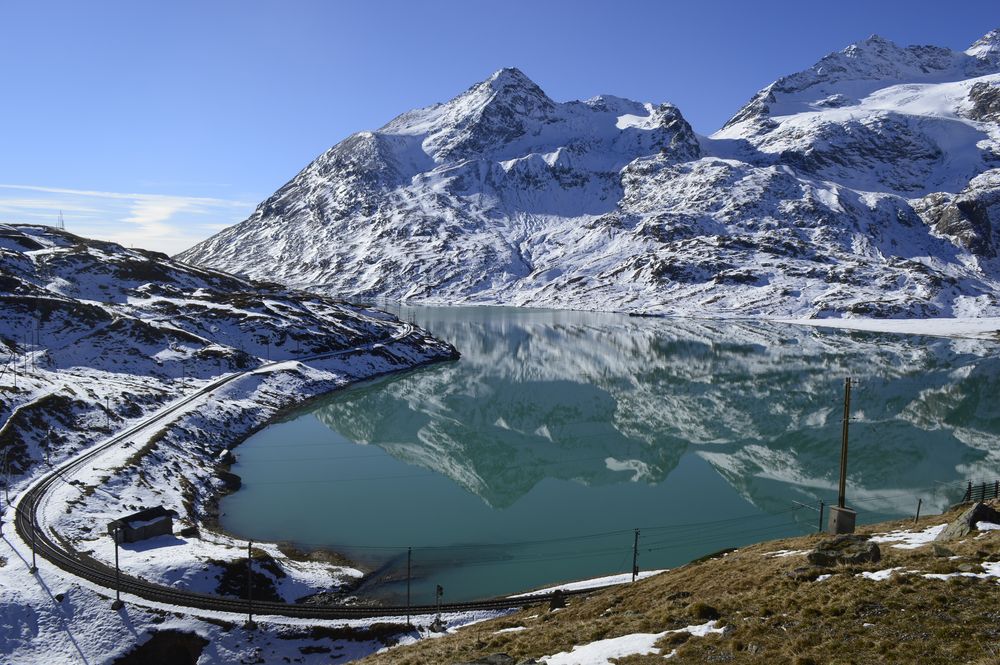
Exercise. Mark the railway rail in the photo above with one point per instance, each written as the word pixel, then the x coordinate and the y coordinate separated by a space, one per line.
pixel 54 550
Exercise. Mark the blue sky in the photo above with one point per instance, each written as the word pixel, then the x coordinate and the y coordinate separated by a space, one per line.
pixel 158 123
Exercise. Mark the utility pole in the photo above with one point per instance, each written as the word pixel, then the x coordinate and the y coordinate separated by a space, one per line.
pixel 409 560
pixel 107 411
pixel 34 566
pixel 5 470
pixel 118 604
pixel 250 624
pixel 842 518
pixel 843 442
pixel 635 556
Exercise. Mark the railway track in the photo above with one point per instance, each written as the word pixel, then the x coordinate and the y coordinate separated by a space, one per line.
pixel 51 548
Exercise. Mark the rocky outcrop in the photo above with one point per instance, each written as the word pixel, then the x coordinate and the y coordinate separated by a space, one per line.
pixel 985 98
pixel 966 522
pixel 847 549
pixel 971 218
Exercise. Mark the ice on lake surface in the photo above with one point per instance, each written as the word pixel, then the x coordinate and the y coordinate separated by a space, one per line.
pixel 531 460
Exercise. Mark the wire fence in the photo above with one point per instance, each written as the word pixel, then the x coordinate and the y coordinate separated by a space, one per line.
pixel 396 567
pixel 676 542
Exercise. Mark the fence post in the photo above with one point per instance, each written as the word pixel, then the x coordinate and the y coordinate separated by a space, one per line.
pixel 919 502
pixel 968 493
pixel 996 489
pixel 821 506
pixel 983 497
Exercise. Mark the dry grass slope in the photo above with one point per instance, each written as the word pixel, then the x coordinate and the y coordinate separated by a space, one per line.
pixel 775 611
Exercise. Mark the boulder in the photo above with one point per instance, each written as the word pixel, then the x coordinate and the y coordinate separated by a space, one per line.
pixel 845 549
pixel 966 522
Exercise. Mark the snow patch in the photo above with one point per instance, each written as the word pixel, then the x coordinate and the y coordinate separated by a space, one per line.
pixel 909 540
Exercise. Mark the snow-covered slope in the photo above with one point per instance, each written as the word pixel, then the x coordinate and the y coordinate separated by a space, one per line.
pixel 94 339
pixel 866 184
pixel 878 117
pixel 93 335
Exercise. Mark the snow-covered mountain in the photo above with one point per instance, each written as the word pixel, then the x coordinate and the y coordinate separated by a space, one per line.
pixel 867 184
pixel 94 335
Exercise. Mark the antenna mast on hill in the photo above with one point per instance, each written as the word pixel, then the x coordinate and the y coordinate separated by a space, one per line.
pixel 62 223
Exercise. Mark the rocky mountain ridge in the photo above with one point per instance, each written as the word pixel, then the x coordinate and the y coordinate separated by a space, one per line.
pixel 867 184
pixel 94 335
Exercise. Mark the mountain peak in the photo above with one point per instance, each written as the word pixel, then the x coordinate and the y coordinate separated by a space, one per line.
pixel 509 76
pixel 511 82
pixel 876 38
pixel 874 44
pixel 986 47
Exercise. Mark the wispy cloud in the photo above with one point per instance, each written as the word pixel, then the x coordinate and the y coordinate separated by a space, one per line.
pixel 167 223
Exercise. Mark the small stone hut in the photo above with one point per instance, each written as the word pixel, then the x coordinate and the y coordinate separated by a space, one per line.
pixel 156 521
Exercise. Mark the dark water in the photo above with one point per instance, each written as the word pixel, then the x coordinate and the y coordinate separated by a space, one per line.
pixel 532 459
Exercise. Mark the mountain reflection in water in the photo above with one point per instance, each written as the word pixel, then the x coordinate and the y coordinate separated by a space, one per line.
pixel 557 424
pixel 601 399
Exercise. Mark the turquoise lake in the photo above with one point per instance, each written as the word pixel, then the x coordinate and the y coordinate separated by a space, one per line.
pixel 532 459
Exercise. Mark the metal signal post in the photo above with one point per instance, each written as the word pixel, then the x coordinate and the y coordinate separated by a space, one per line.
pixel 250 624
pixel 118 604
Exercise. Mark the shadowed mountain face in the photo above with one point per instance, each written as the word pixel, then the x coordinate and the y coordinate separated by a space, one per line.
pixel 605 399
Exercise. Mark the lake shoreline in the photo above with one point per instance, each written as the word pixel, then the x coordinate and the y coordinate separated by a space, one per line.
pixel 546 407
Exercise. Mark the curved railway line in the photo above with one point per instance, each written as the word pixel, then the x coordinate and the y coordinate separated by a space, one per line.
pixel 54 550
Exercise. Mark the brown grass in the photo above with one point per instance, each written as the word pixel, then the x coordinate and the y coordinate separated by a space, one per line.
pixel 773 612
